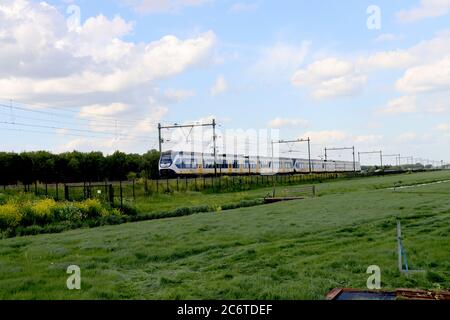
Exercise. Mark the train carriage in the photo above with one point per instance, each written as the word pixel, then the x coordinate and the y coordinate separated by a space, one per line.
pixel 179 163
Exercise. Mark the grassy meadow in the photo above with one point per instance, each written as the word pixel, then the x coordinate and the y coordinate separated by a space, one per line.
pixel 293 250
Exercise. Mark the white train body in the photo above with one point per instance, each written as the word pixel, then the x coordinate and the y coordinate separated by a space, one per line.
pixel 179 163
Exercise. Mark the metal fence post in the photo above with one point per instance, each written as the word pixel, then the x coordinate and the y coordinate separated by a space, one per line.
pixel 111 194
pixel 66 192
pixel 121 194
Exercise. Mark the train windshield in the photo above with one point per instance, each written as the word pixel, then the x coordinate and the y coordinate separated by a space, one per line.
pixel 166 160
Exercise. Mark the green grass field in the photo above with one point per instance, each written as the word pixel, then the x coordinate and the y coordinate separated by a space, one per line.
pixel 293 250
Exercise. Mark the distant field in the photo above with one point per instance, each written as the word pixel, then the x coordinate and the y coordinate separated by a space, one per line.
pixel 161 202
pixel 292 250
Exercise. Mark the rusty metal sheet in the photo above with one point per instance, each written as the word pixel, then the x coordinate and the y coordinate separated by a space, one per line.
pixel 399 294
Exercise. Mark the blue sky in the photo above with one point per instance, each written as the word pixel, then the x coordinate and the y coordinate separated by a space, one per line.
pixel 306 68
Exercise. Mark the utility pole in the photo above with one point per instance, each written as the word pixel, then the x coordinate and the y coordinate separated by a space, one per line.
pixel 176 126
pixel 397 156
pixel 337 149
pixel 309 155
pixel 159 138
pixel 408 159
pixel 214 146
pixel 272 158
pixel 372 152
pixel 354 161
pixel 308 140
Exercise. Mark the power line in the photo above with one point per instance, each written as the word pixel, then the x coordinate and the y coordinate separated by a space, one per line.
pixel 57 121
pixel 106 118
pixel 68 134
pixel 59 109
pixel 76 130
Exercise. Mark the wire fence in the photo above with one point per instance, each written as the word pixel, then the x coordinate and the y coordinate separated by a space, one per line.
pixel 119 191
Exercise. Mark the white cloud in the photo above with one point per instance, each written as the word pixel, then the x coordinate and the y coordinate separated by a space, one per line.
pixel 398 59
pixel 103 110
pixel 388 37
pixel 424 78
pixel 178 95
pixel 407 137
pixel 433 49
pixel 219 87
pixel 325 137
pixel 370 139
pixel 426 9
pixel 322 70
pixel 280 122
pixel 333 77
pixel 330 77
pixel 240 7
pixel 92 69
pixel 328 138
pixel 405 104
pixel 443 127
pixel 164 6
pixel 349 85
pixel 280 58
pixel 90 60
pixel 436 109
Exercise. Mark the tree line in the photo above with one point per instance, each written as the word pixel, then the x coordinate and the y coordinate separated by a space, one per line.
pixel 46 167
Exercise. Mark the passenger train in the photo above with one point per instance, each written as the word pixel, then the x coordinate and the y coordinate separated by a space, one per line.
pixel 179 163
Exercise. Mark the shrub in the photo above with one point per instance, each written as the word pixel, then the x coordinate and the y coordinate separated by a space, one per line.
pixel 43 210
pixel 9 216
pixel 90 208
pixel 2 198
pixel 111 213
pixel 67 212
pixel 182 212
pixel 29 231
pixel 112 220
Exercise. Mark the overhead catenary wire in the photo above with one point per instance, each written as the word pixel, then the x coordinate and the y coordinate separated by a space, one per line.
pixel 92 122
pixel 44 109
pixel 73 135
pixel 64 128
